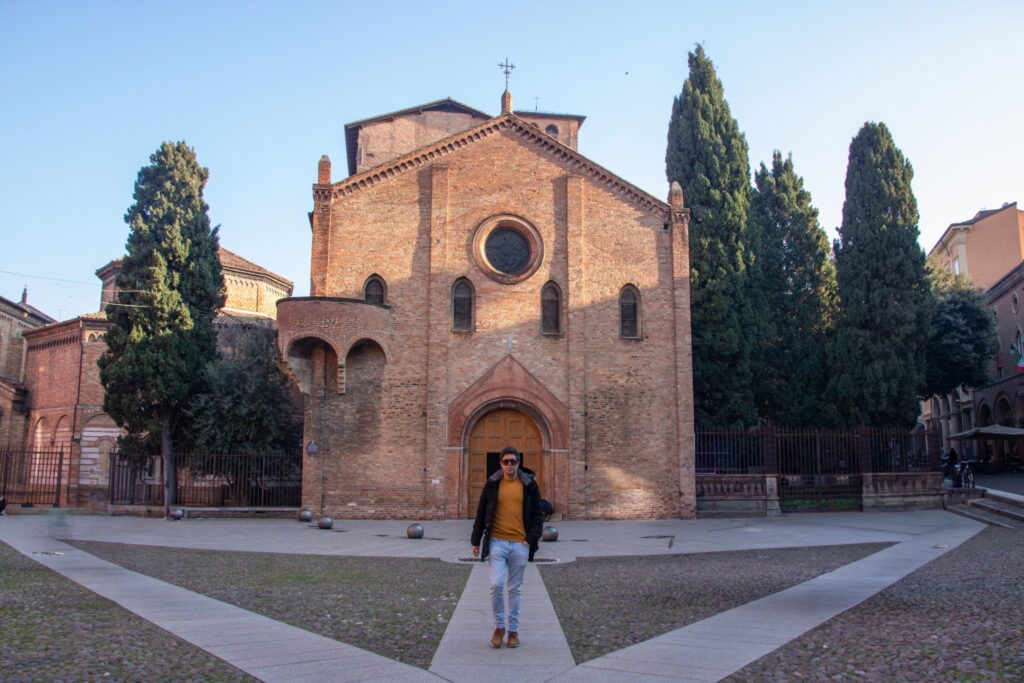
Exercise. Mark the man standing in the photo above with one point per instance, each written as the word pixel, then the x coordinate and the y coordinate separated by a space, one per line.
pixel 508 524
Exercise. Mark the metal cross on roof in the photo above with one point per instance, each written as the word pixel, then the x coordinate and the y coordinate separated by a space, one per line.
pixel 506 68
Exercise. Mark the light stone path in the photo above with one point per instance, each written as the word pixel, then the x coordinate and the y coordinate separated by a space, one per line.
pixel 705 651
pixel 718 646
pixel 466 655
pixel 262 647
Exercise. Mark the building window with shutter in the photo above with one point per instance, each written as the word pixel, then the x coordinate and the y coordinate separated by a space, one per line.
pixel 462 306
pixel 373 290
pixel 629 313
pixel 550 309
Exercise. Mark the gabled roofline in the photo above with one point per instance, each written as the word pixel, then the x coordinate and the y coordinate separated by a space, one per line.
pixel 351 129
pixel 436 104
pixel 435 151
pixel 28 311
pixel 549 114
pixel 241 264
pixel 981 215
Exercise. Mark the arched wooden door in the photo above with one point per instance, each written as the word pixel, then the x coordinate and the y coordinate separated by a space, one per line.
pixel 491 434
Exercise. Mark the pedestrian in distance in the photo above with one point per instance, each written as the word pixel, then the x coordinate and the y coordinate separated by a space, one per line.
pixel 506 533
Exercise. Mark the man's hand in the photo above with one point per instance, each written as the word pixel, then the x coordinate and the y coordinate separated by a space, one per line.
pixel 476 551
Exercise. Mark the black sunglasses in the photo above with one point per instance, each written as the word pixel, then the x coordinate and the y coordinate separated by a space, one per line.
pixel 509 462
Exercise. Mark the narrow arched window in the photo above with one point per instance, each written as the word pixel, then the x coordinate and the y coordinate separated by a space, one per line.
pixel 462 305
pixel 552 130
pixel 629 312
pixel 373 290
pixel 550 309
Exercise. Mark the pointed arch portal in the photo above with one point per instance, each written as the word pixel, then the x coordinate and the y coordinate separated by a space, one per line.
pixel 493 432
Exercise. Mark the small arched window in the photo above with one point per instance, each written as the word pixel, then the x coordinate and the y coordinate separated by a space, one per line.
pixel 550 309
pixel 373 290
pixel 462 305
pixel 552 130
pixel 629 313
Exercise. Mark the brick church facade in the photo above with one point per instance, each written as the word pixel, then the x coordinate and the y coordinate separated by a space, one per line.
pixel 476 283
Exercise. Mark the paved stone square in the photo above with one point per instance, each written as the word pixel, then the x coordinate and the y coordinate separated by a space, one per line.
pixel 274 651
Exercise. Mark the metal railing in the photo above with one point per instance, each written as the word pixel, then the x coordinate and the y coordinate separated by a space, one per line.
pixel 239 480
pixel 133 482
pixel 814 469
pixel 207 480
pixel 728 452
pixel 31 477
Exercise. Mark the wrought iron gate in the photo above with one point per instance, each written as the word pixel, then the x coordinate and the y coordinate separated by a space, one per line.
pixel 31 477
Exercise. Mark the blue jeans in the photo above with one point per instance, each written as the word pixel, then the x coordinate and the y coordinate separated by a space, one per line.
pixel 507 558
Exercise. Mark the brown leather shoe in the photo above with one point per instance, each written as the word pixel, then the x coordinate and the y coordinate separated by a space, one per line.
pixel 499 635
pixel 513 639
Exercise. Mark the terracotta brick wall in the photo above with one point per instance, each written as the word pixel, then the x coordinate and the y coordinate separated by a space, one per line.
pixel 384 140
pixel 11 345
pixel 624 456
pixel 252 295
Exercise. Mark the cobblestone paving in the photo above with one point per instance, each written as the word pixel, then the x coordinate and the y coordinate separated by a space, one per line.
pixel 52 629
pixel 607 603
pixel 396 607
pixel 959 618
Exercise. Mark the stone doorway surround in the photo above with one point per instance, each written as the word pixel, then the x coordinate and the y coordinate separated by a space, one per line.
pixel 509 386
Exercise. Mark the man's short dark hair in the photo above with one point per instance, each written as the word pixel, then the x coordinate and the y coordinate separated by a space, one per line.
pixel 513 451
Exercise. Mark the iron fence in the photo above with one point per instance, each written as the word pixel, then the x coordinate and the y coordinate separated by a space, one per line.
pixel 815 469
pixel 239 480
pixel 135 481
pixel 916 451
pixel 729 452
pixel 31 477
pixel 818 470
pixel 207 480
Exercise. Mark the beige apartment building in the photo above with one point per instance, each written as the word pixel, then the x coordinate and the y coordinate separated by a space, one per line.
pixel 988 249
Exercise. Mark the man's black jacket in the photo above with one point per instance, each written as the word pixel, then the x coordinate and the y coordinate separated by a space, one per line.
pixel 533 516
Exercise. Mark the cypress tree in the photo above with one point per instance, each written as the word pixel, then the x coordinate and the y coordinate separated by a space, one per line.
pixel 879 352
pixel 800 291
pixel 707 156
pixel 169 289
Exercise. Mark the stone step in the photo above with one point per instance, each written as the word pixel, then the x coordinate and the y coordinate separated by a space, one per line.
pixel 999 507
pixel 984 516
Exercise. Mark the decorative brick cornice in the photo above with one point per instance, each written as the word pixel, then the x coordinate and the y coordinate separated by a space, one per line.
pixel 572 160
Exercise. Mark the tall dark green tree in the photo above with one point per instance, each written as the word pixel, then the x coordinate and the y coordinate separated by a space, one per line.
pixel 962 337
pixel 707 155
pixel 169 288
pixel 799 286
pixel 878 361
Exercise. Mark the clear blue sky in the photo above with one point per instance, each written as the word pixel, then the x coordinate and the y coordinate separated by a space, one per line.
pixel 88 90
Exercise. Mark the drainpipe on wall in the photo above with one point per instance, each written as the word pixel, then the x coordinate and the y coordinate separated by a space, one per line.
pixel 74 415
